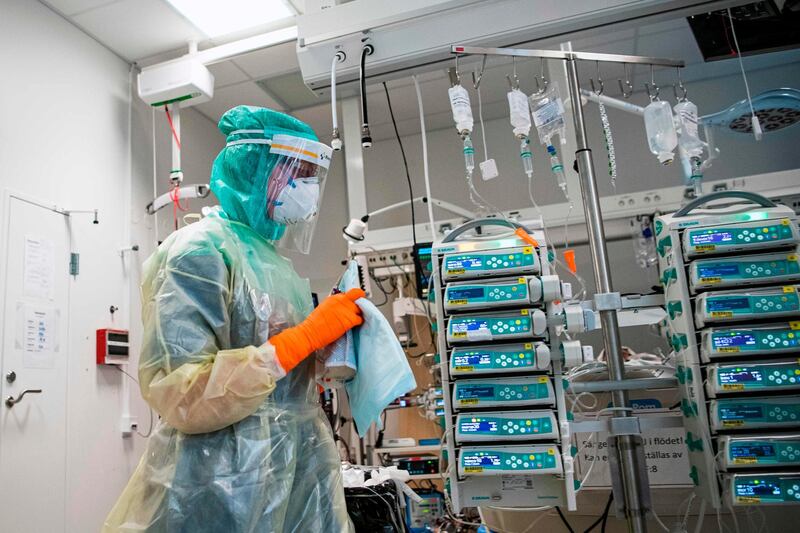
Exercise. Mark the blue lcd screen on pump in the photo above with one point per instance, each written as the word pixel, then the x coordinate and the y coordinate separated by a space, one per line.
pixel 734 340
pixel 738 412
pixel 716 271
pixel 728 304
pixel 481 460
pixel 465 294
pixel 762 450
pixel 472 325
pixel 762 489
pixel 466 393
pixel 712 238
pixel 740 376
pixel 472 359
pixel 466 263
pixel 477 427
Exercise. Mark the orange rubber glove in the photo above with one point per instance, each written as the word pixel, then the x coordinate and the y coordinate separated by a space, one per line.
pixel 334 317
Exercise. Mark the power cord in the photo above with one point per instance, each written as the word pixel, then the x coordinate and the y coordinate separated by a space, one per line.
pixel 564 519
pixel 405 165
pixel 603 517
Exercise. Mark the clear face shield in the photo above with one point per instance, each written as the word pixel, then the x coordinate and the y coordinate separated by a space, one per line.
pixel 295 187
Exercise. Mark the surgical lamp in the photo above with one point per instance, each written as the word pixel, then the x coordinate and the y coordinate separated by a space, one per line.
pixel 355 230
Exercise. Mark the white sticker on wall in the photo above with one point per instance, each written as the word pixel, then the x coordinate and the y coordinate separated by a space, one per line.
pixel 37 335
pixel 39 269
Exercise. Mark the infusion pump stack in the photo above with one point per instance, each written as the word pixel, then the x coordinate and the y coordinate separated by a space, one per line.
pixel 506 426
pixel 731 277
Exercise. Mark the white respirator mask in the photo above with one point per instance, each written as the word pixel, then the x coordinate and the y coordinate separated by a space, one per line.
pixel 297 202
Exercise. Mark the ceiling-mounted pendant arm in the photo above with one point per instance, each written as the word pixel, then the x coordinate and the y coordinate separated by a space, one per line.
pixel 173 112
pixel 184 193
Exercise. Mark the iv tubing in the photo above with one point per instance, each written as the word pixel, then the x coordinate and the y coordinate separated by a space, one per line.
pixel 483 128
pixel 425 155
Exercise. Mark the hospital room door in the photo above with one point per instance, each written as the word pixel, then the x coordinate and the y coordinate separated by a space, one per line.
pixel 35 281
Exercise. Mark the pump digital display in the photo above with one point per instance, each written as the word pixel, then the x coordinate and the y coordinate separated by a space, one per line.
pixel 756 489
pixel 752 450
pixel 466 293
pixel 716 237
pixel 458 263
pixel 740 412
pixel 470 325
pixel 472 359
pixel 483 459
pixel 740 375
pixel 734 339
pixel 718 270
pixel 479 426
pixel 467 393
pixel 728 303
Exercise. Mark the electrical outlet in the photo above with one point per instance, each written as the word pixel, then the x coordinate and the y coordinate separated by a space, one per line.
pixel 128 425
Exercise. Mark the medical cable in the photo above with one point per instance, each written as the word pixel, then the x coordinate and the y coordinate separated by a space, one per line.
pixel 336 141
pixel 392 515
pixel 405 166
pixel 658 520
pixel 550 245
pixel 172 126
pixel 753 118
pixel 603 516
pixel 690 502
pixel 334 118
pixel 603 524
pixel 366 137
pixel 150 428
pixel 424 136
pixel 483 127
pixel 564 519
pixel 701 514
pixel 498 529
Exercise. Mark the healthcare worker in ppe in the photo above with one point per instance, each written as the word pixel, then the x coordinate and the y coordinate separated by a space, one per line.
pixel 242 444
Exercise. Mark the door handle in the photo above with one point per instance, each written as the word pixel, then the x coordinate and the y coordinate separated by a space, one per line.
pixel 11 402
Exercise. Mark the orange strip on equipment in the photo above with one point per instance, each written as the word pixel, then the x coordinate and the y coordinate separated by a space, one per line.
pixel 522 234
pixel 569 257
pixel 295 149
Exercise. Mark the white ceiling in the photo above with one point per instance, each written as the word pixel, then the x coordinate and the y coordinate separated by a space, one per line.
pixel 148 31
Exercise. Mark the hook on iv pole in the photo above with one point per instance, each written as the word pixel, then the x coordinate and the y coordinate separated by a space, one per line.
pixel 513 79
pixel 652 88
pixel 454 74
pixel 541 86
pixel 627 89
pixel 476 81
pixel 599 91
pixel 684 91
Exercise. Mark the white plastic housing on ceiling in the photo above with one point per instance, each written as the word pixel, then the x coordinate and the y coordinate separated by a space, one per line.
pixel 221 18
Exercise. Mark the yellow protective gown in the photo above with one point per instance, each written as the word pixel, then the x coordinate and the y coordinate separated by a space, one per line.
pixel 241 447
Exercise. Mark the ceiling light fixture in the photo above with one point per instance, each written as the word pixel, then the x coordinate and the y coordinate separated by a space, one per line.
pixel 221 18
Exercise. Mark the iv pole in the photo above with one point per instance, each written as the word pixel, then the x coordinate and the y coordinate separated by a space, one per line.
pixel 625 427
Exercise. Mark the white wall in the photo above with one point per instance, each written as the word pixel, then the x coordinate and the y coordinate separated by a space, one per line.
pixel 64 139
